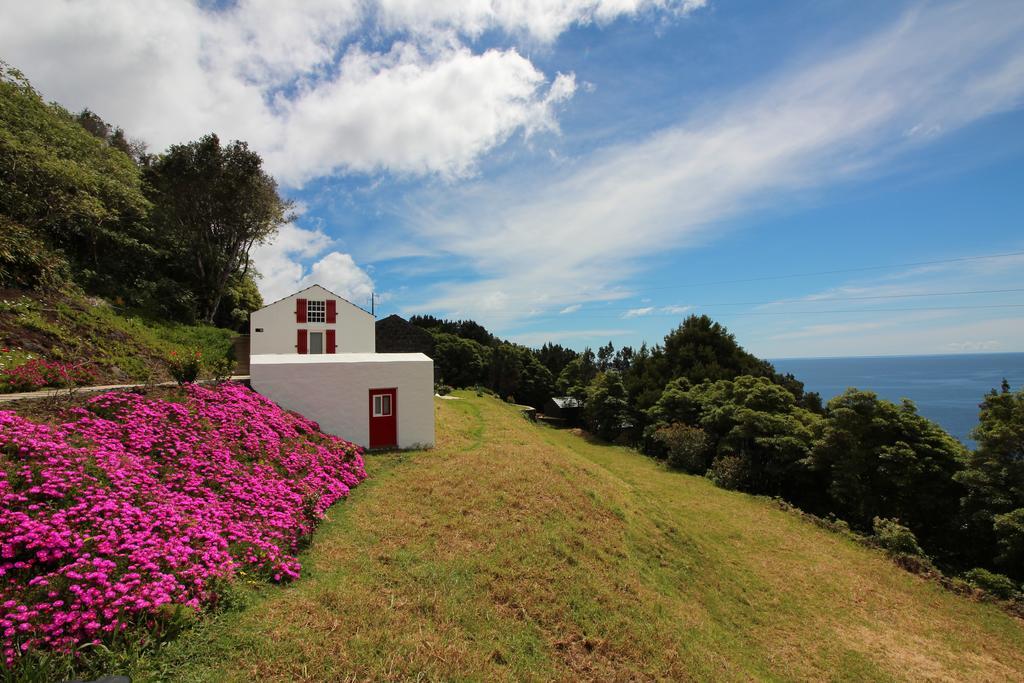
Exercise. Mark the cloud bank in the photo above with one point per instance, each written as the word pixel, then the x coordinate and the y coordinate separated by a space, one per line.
pixel 831 118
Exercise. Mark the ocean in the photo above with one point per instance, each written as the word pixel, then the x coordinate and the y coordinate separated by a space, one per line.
pixel 946 389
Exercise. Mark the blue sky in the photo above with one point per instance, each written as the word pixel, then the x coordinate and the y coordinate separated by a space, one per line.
pixel 824 178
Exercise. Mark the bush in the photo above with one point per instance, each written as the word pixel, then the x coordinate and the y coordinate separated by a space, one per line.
pixel 184 368
pixel 221 369
pixel 443 389
pixel 38 374
pixel 686 447
pixel 729 472
pixel 895 538
pixel 997 584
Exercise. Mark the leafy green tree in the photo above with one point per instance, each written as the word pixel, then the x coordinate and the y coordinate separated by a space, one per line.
pixel 750 419
pixel 577 375
pixel 992 508
pixel 241 298
pixel 77 194
pixel 606 409
pixel 879 459
pixel 214 203
pixel 515 371
pixel 555 357
pixel 461 362
pixel 686 448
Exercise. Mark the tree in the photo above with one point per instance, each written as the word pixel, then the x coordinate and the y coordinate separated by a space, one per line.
pixel 215 203
pixel 577 375
pixel 879 459
pixel 555 357
pixel 606 409
pixel 461 362
pixel 992 509
pixel 241 298
pixel 77 195
pixel 754 425
pixel 515 371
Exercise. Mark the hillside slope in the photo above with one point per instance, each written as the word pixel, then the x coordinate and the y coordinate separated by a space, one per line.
pixel 73 328
pixel 516 552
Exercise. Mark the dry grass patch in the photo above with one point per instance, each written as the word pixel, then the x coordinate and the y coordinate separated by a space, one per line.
pixel 518 552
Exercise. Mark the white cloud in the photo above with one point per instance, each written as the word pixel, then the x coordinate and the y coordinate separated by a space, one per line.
pixel 831 118
pixel 655 310
pixel 294 81
pixel 571 309
pixel 282 272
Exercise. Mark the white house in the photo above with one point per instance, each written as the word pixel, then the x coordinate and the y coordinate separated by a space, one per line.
pixel 313 352
pixel 314 321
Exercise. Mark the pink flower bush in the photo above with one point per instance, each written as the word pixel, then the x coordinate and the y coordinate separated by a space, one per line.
pixel 137 503
pixel 38 373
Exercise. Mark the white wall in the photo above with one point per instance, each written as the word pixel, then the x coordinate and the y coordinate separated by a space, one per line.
pixel 355 328
pixel 334 391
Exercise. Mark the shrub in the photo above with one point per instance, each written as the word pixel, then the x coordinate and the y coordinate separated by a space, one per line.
pixel 221 369
pixel 686 447
pixel 184 368
pixel 39 374
pixel 997 584
pixel 895 538
pixel 443 389
pixel 729 472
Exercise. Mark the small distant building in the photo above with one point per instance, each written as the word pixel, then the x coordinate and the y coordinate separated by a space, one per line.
pixel 314 352
pixel 563 408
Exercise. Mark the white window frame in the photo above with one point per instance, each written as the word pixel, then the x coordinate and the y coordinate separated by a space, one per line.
pixel 316 311
pixel 378 405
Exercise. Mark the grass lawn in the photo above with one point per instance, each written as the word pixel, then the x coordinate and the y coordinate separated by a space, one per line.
pixel 518 552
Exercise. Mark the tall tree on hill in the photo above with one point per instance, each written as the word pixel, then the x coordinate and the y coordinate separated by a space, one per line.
pixel 214 204
pixel 993 506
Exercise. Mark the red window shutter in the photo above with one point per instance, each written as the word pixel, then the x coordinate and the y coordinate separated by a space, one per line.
pixel 300 310
pixel 331 345
pixel 302 346
pixel 332 311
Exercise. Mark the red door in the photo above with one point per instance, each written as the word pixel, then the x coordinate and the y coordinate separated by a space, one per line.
pixel 383 418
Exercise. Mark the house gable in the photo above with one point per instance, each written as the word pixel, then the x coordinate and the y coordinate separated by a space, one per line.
pixel 328 323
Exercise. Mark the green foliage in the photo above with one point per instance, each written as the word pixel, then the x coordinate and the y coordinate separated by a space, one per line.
pixel 686 448
pixel 577 375
pixel 74 192
pixel 515 371
pixel 878 459
pixel 729 471
pixel 26 262
pixel 750 419
pixel 606 409
pixel 997 584
pixel 1009 533
pixel 214 203
pixel 185 367
pixel 895 538
pixel 461 362
pixel 994 483
pixel 241 297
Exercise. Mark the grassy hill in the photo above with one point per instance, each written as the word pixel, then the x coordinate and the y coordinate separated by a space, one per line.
pixel 73 328
pixel 517 552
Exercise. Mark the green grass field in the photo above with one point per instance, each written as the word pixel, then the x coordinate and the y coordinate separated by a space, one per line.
pixel 514 551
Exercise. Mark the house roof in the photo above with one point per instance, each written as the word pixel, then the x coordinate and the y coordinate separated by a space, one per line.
pixel 331 358
pixel 360 308
pixel 566 402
